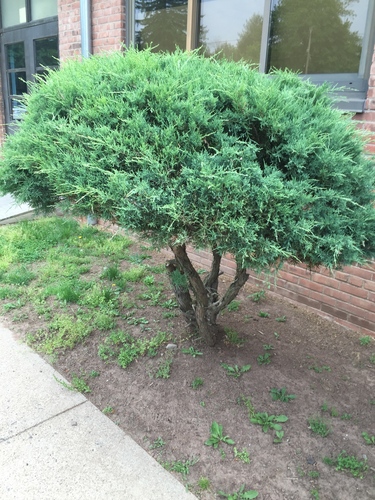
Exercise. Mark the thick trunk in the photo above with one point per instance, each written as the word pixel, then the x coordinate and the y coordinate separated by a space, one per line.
pixel 204 309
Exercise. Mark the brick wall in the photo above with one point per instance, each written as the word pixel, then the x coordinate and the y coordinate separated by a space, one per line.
pixel 347 296
pixel 108 26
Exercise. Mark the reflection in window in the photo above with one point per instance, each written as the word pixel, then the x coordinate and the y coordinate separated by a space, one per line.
pixel 46 52
pixel 17 109
pixel 43 8
pixel 13 12
pixel 318 36
pixel 17 83
pixel 15 55
pixel 162 23
pixel 233 28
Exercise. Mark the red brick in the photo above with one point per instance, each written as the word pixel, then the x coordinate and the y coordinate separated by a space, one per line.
pixel 362 323
pixel 310 285
pixel 370 285
pixel 334 312
pixel 288 277
pixel 354 290
pixel 361 272
pixel 358 311
pixel 325 280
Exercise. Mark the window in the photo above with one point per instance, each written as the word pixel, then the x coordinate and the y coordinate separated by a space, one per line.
pixel 324 40
pixel 21 11
pixel 28 49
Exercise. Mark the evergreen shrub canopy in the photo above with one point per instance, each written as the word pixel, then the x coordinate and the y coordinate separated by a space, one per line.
pixel 186 149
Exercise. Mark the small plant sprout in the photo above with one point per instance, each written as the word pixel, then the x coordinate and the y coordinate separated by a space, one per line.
pixel 258 296
pixel 158 443
pixel 347 463
pixel 192 351
pixel 180 466
pixel 372 358
pixel 320 369
pixel 241 494
pixel 281 319
pixel 281 395
pixel 368 439
pixel 268 347
pixel 366 340
pixel 217 436
pixel 264 359
pixel 314 474
pixel 277 336
pixel 232 336
pixel 233 306
pixel 270 422
pixel 196 383
pixel 315 494
pixel 318 425
pixel 346 416
pixel 242 455
pixel 235 371
pixel 204 483
pixel 108 410
pixel 263 314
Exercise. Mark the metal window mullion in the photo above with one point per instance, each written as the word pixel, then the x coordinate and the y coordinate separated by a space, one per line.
pixel 130 23
pixel 192 25
pixel 367 46
pixel 265 36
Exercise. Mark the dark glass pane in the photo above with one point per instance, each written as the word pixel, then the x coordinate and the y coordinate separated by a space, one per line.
pixel 17 109
pixel 17 84
pixel 319 36
pixel 46 51
pixel 16 55
pixel 162 23
pixel 233 28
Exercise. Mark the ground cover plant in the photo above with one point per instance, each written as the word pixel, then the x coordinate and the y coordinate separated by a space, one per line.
pixel 168 388
pixel 191 150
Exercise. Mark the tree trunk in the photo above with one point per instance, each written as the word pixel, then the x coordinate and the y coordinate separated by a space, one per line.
pixel 201 312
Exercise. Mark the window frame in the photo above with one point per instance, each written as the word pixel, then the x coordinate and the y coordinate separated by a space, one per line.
pixel 352 88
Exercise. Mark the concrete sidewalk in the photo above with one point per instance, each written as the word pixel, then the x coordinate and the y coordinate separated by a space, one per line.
pixel 56 445
pixel 11 212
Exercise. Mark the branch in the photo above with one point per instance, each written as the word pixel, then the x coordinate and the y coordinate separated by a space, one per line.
pixel 239 280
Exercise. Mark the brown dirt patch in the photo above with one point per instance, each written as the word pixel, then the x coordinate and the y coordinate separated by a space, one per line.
pixel 312 358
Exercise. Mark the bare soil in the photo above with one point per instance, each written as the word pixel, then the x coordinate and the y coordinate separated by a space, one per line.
pixel 322 364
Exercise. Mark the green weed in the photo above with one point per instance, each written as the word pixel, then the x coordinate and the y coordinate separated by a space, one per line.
pixel 217 436
pixel 180 466
pixel 233 306
pixel 242 455
pixel 204 483
pixel 366 340
pixel 320 369
pixel 235 371
pixel 368 439
pixel 264 359
pixel 108 410
pixel 232 336
pixel 158 443
pixel 347 463
pixel 319 425
pixel 268 421
pixel 241 494
pixel 281 395
pixel 264 314
pixel 196 383
pixel 281 319
pixel 258 296
pixel 192 351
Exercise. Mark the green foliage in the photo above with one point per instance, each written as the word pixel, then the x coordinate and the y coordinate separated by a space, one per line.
pixel 242 455
pixel 319 425
pixel 368 439
pixel 192 351
pixel 268 421
pixel 235 370
pixel 234 306
pixel 197 382
pixel 186 148
pixel 217 436
pixel 281 395
pixel 180 466
pixel 347 463
pixel 232 336
pixel 241 494
pixel 366 340
pixel 264 359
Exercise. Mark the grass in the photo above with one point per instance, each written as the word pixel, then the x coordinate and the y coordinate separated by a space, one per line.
pixel 319 426
pixel 348 463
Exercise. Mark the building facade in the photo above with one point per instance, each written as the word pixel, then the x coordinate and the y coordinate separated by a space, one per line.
pixel 324 40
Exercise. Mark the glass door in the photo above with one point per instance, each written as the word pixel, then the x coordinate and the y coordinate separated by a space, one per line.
pixel 27 51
